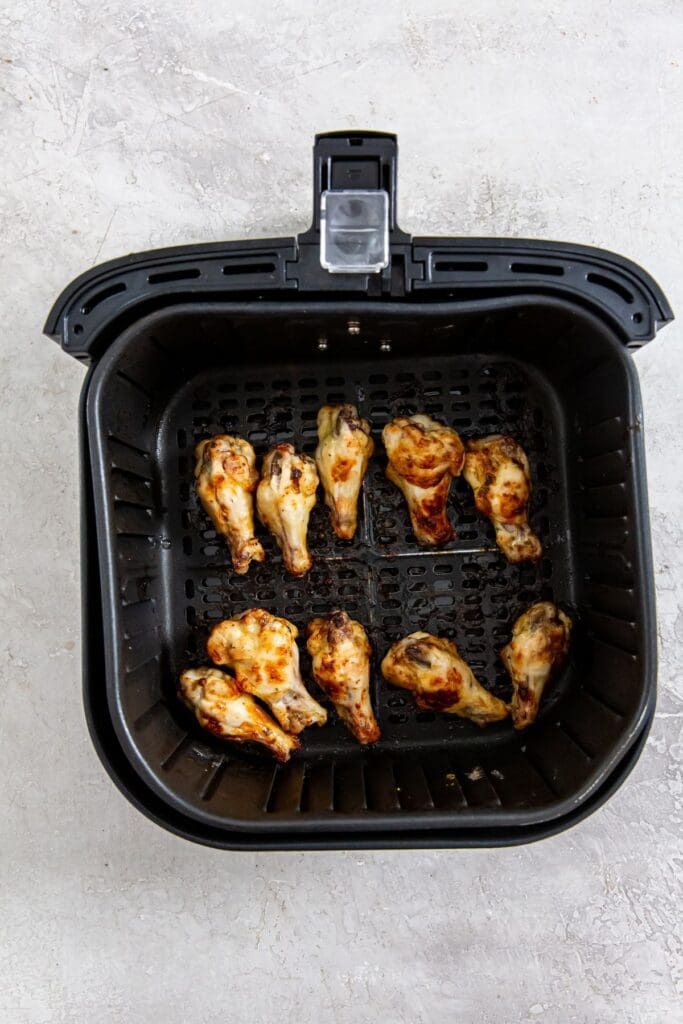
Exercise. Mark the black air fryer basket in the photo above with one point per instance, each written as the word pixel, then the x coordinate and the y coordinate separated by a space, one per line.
pixel 530 338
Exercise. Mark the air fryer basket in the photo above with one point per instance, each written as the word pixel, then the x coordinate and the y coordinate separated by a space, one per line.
pixel 547 362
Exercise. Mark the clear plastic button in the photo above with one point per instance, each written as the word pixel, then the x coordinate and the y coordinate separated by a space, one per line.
pixel 354 231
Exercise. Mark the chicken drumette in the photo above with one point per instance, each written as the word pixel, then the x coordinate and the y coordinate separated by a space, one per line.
pixel 340 652
pixel 497 470
pixel 221 708
pixel 342 456
pixel 432 669
pixel 261 650
pixel 226 478
pixel 424 456
pixel 539 646
pixel 284 499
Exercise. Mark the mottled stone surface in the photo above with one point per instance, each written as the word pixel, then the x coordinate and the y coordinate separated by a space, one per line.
pixel 127 126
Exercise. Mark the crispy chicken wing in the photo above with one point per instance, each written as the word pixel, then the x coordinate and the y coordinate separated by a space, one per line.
pixel 221 708
pixel 424 456
pixel 432 669
pixel 539 646
pixel 342 456
pixel 226 478
pixel 340 651
pixel 284 500
pixel 261 650
pixel 497 470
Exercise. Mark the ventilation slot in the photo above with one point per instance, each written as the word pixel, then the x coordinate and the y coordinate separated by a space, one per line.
pixel 612 286
pixel 551 269
pixel 100 297
pixel 287 790
pixel 134 383
pixel 211 784
pixel 175 275
pixel 177 753
pixel 455 266
pixel 240 267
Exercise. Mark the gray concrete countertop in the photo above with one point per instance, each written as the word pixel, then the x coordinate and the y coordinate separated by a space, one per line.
pixel 127 126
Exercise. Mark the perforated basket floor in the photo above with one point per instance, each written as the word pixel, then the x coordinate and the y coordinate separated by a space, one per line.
pixel 467 591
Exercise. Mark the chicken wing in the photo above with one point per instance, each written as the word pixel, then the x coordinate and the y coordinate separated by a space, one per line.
pixel 432 669
pixel 539 646
pixel 424 456
pixel 340 651
pixel 497 470
pixel 284 500
pixel 342 456
pixel 261 650
pixel 226 478
pixel 221 708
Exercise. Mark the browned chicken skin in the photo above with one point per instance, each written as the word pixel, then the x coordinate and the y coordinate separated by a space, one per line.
pixel 261 650
pixel 432 669
pixel 424 456
pixel 340 651
pixel 226 478
pixel 221 708
pixel 497 470
pixel 342 456
pixel 538 649
pixel 284 500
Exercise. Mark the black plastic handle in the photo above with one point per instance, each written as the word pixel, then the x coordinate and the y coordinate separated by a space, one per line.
pixel 354 160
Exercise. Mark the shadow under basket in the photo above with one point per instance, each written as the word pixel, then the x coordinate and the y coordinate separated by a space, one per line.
pixel 256 352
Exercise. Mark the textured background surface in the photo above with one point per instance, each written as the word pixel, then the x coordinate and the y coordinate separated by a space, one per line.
pixel 126 126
